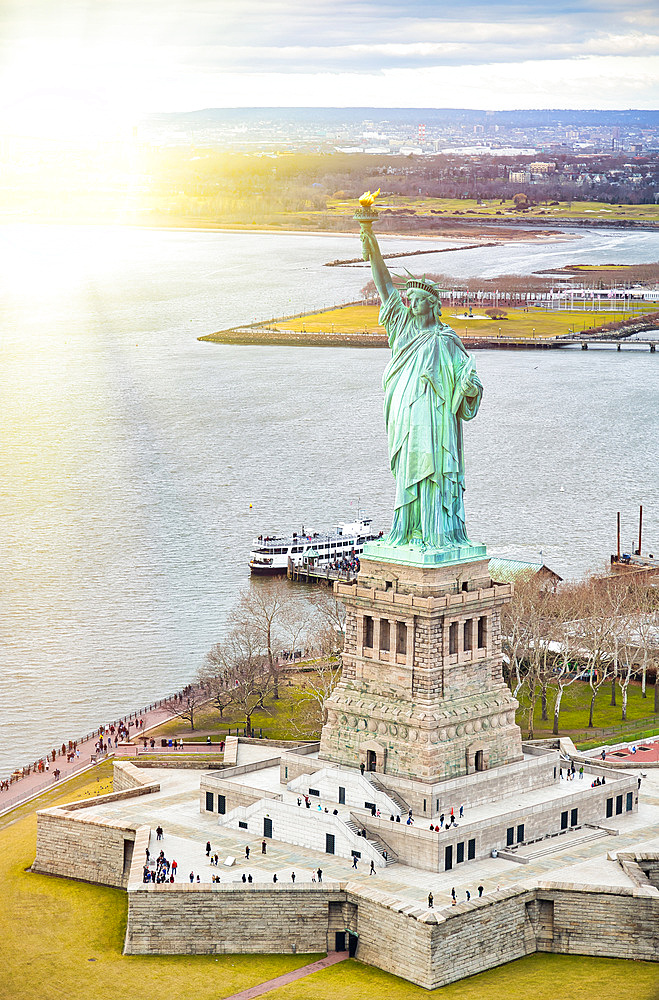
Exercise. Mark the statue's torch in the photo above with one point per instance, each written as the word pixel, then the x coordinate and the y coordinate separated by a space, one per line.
pixel 366 215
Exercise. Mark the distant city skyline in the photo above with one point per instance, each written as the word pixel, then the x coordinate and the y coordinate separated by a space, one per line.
pixel 90 65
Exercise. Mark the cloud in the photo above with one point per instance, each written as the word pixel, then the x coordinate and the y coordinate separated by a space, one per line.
pixel 156 54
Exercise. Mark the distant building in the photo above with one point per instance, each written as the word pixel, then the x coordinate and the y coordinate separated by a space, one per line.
pixel 519 176
pixel 542 167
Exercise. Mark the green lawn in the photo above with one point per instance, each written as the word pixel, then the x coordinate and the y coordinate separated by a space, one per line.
pixel 62 940
pixel 575 708
pixel 492 208
pixel 290 717
pixel 536 323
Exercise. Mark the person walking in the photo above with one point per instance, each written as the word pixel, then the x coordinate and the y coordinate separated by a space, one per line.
pixel 430 900
pixel 274 877
pixel 362 767
pixel 246 852
pixel 372 871
pixel 263 847
pixel 319 873
pixel 354 861
pixel 293 877
pixel 208 848
pixel 480 890
pixel 453 894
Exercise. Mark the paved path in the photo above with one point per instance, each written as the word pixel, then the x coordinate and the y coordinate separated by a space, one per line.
pixel 273 984
pixel 39 781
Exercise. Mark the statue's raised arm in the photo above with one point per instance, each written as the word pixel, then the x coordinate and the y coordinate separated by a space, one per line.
pixel 379 270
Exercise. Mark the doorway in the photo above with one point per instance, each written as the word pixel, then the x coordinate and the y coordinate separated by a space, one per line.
pixel 370 760
pixel 267 827
pixel 448 857
pixel 340 941
pixel 479 761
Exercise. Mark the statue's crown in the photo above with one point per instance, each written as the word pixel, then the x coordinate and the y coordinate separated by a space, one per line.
pixel 423 285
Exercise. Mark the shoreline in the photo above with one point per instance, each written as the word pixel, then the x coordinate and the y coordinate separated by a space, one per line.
pixel 450 227
pixel 260 335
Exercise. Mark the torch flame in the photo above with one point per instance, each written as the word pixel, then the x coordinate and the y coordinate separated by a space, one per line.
pixel 367 199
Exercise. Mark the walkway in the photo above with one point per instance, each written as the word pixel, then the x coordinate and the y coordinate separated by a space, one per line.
pixel 36 782
pixel 307 970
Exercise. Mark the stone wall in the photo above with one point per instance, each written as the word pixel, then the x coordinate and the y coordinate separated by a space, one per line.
pixel 125 776
pixel 91 850
pixel 428 947
pixel 292 765
pixel 218 919
pixel 535 771
pixel 611 922
pixel 235 795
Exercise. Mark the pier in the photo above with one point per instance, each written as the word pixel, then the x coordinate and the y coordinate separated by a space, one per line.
pixel 308 573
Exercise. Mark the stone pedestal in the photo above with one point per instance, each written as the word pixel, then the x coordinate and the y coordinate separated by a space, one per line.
pixel 421 693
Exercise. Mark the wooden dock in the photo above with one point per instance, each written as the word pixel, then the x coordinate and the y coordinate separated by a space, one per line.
pixel 319 574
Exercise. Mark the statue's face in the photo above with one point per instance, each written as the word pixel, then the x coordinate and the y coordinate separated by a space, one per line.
pixel 420 302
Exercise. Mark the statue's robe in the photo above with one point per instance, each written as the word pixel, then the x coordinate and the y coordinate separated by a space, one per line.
pixel 430 386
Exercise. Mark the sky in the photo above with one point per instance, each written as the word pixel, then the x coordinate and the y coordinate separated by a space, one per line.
pixel 68 62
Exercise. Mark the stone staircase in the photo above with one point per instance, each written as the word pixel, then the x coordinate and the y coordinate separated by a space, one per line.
pixel 403 806
pixel 550 845
pixel 385 853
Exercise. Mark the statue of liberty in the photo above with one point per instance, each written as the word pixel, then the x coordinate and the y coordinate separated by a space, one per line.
pixel 430 386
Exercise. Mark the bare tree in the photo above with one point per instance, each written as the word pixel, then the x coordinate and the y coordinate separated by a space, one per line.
pixel 252 680
pixel 238 674
pixel 191 703
pixel 568 664
pixel 216 675
pixel 264 611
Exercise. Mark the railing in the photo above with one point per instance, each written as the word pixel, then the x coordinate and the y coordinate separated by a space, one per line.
pixel 29 768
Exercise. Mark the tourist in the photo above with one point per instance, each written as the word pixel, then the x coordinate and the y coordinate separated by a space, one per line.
pixel 354 861
pixel 453 893
pixel 246 852
pixel 292 876
pixel 441 820
pixel 159 833
pixel 192 876
pixel 480 890
pixel 244 877
pixel 462 811
pixel 320 874
pixel 362 767
pixel 263 847
pixel 372 871
pixel 430 900
pixel 249 878
pixel 274 877
pixel 468 895
pixel 581 772
pixel 208 848
pixel 174 867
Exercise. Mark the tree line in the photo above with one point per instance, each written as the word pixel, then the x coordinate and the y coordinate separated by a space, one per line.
pixel 270 629
pixel 601 632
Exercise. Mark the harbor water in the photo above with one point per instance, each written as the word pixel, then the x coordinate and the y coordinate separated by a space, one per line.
pixel 138 464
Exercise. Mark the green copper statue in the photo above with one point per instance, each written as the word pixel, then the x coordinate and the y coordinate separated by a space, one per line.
pixel 430 386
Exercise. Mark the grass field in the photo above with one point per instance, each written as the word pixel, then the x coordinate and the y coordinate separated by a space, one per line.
pixel 536 323
pixel 493 209
pixel 292 716
pixel 62 940
pixel 573 720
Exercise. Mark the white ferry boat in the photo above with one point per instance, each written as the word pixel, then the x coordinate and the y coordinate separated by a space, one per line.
pixel 270 554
